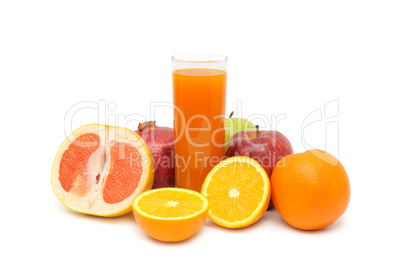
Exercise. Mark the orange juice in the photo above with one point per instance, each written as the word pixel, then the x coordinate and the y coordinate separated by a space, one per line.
pixel 199 96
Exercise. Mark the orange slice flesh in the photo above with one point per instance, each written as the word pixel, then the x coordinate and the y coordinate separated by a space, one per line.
pixel 238 191
pixel 170 214
pixel 171 203
pixel 99 170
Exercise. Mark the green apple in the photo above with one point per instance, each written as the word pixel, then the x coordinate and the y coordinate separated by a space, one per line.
pixel 235 125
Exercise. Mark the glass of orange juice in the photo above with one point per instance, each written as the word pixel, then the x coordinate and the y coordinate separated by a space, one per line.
pixel 199 98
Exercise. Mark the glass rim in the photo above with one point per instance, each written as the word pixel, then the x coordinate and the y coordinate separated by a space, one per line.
pixel 199 58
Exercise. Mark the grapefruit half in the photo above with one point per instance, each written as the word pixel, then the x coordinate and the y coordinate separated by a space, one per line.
pixel 99 169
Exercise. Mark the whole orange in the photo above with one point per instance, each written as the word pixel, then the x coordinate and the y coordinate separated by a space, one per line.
pixel 310 190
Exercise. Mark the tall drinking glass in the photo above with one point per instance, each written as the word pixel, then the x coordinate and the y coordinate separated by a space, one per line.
pixel 199 97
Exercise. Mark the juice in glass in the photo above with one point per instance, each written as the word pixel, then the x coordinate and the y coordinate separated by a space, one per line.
pixel 199 96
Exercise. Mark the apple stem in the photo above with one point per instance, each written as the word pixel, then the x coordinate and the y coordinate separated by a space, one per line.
pixel 231 114
pixel 258 130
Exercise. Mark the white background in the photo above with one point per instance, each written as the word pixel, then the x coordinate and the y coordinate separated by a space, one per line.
pixel 285 57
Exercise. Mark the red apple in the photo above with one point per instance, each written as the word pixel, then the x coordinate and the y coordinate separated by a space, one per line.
pixel 266 147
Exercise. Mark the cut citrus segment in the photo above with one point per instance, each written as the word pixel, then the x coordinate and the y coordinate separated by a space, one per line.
pixel 238 191
pixel 170 214
pixel 99 169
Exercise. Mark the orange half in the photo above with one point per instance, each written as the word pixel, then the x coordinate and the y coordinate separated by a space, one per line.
pixel 238 191
pixel 99 169
pixel 170 214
